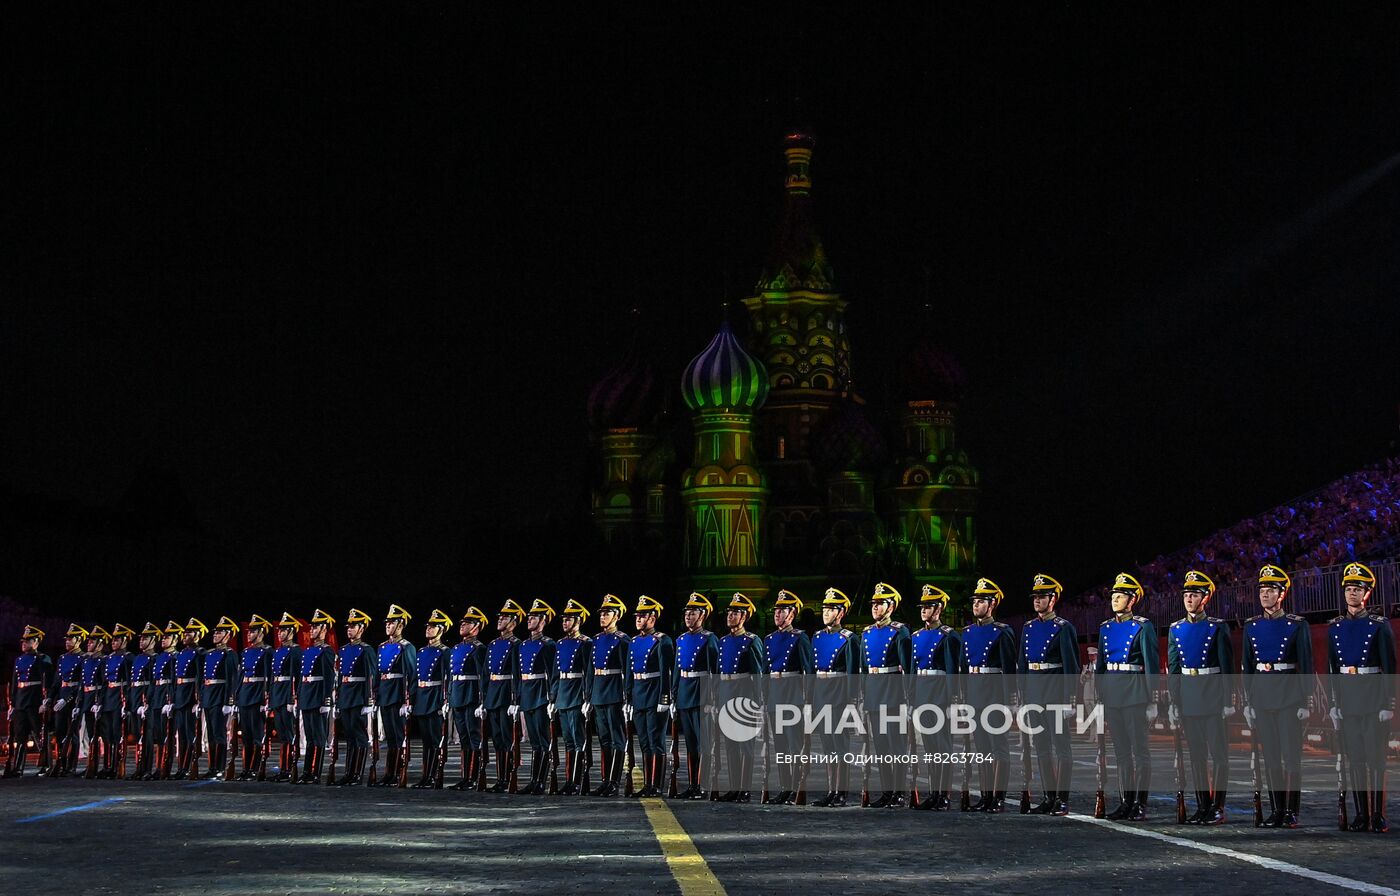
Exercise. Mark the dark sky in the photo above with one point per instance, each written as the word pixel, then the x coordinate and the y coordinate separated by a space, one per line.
pixel 352 272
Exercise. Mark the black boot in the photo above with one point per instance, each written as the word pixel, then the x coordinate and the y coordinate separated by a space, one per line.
pixel 1125 808
pixel 1203 807
pixel 1290 816
pixel 1215 814
pixel 605 787
pixel 1361 821
pixel 1046 805
pixel 1061 808
pixel 1378 823
pixel 1139 812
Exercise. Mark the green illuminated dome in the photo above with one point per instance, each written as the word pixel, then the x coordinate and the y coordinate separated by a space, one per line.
pixel 724 376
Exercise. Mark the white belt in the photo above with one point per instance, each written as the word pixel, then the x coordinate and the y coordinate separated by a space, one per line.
pixel 208 681
pixel 883 670
pixel 1123 667
pixel 313 678
pixel 730 676
pixel 134 684
pixel 282 678
pixel 187 681
pixel 686 673
pixel 932 672
pixel 386 676
pixel 466 678
pixel 1205 670
pixel 534 676
pixel 597 671
pixel 786 674
pixel 91 687
pixel 502 677
pixel 350 679
pixel 644 676
pixel 1041 667
pixel 570 674
pixel 1274 667
pixel 250 680
pixel 428 684
pixel 830 674
pixel 27 684
pixel 1360 670
pixel 115 684
pixel 985 670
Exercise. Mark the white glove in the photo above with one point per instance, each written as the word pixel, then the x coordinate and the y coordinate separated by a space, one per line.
pixel 480 712
pixel 1250 715
pixel 667 708
pixel 1066 710
pixel 141 711
pixel 514 710
pixel 44 707
pixel 586 709
pixel 291 707
pixel 1227 712
pixel 96 708
pixel 404 711
pixel 1151 712
pixel 368 710
pixel 1386 715
pixel 1173 716
pixel 1304 713
pixel 228 710
pixel 9 713
pixel 60 704
pixel 165 710
pixel 627 712
pixel 446 710
pixel 198 710
pixel 550 710
pixel 335 712
pixel 325 710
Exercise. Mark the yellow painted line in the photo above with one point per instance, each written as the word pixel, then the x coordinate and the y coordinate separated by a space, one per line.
pixel 688 867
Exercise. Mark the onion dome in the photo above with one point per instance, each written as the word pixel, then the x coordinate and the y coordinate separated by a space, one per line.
pixel 797 259
pixel 845 439
pixel 626 396
pixel 724 376
pixel 927 372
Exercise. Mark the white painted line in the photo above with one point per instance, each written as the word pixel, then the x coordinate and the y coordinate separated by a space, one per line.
pixel 1335 880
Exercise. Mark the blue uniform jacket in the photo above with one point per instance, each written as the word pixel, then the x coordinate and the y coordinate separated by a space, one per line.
pixel 697 660
pixel 467 672
pixel 612 669
pixel 398 672
pixel 653 662
pixel 536 672
pixel 573 682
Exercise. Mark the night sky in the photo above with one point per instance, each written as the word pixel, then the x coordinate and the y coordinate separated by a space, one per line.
pixel 352 273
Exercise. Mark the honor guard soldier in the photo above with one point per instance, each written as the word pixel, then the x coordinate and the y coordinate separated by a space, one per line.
pixel 1361 667
pixel 94 690
pixel 741 661
pixel 936 649
pixel 116 676
pixel 988 666
pixel 697 659
pixel 1278 686
pixel 1125 673
pixel 218 697
pixel 252 697
pixel 67 708
pixel 160 725
pixel 612 691
pixel 189 665
pixel 501 704
pixel 465 690
pixel 356 695
pixel 283 672
pixel 1049 667
pixel 316 686
pixel 29 696
pixel 836 654
pixel 398 668
pixel 138 704
pixel 431 677
pixel 653 664
pixel 1199 658
pixel 573 685
pixel 888 654
pixel 536 674
pixel 790 669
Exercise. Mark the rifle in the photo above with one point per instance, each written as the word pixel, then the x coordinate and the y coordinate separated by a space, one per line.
pixel 1180 774
pixel 585 786
pixel 671 788
pixel 121 742
pixel 265 748
pixel 553 758
pixel 375 724
pixel 334 744
pixel 406 746
pixel 627 732
pixel 1254 771
pixel 7 747
pixel 197 747
pixel 90 770
pixel 1026 772
pixel 168 750
pixel 965 803
pixel 481 771
pixel 44 716
pixel 441 764
pixel 1341 776
pixel 1100 810
pixel 233 738
pixel 514 758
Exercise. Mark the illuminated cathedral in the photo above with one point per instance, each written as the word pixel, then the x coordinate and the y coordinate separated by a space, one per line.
pixel 775 474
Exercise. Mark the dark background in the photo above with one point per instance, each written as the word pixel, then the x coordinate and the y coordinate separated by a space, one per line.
pixel 347 275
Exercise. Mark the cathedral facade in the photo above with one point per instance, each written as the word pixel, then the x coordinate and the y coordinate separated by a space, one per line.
pixel 771 471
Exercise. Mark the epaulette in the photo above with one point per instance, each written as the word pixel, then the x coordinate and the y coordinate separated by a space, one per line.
pixel 1253 619
pixel 752 636
pixel 1060 620
pixel 1337 619
pixel 846 633
pixel 1294 617
pixel 1107 622
pixel 1141 619
pixel 1214 621
pixel 897 624
pixel 1376 617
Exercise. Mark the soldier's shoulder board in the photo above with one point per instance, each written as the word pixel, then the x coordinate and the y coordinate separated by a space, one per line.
pixel 1106 623
pixel 846 633
pixel 1376 617
pixel 1294 617
pixel 897 624
pixel 1215 621
pixel 1253 619
pixel 1060 620
pixel 1002 626
pixel 1336 619
pixel 1141 620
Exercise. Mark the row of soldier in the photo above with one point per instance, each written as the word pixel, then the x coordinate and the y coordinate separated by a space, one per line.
pixel 174 694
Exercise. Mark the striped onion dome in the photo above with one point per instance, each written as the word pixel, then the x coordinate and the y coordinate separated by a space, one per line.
pixel 724 376
pixel 628 395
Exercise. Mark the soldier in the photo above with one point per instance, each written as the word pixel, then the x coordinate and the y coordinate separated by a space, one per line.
pixel 1278 670
pixel 1361 663
pixel 316 688
pixel 536 671
pixel 138 705
pixel 697 659
pixel 573 684
pixel 1126 678
pixel 936 650
pixel 465 691
pixel 1049 671
pixel 94 689
pixel 1199 658
pixel 29 696
pixel 218 696
pixel 988 664
pixel 501 704
pixel 888 655
pixel 116 675
pixel 252 697
pixel 160 702
pixel 653 662
pixel 790 666
pixel 741 660
pixel 431 678
pixel 356 695
pixel 184 694
pixel 836 654
pixel 398 666
pixel 283 673
pixel 67 709
pixel 612 691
